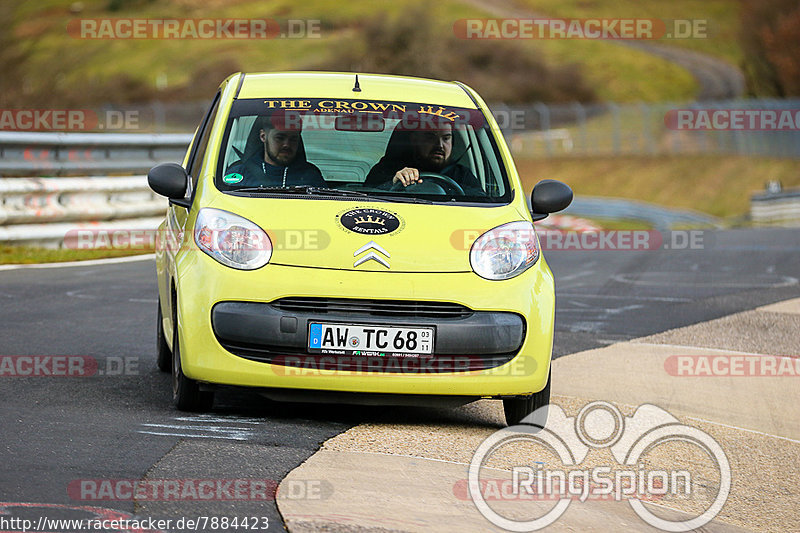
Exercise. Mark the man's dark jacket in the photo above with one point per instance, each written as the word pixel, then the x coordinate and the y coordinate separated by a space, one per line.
pixel 258 173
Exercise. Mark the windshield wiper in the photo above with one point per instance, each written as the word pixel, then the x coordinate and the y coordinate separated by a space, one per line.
pixel 401 199
pixel 311 189
pixel 302 189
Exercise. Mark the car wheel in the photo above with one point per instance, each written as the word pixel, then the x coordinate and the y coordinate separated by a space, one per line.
pixel 518 408
pixel 186 392
pixel 163 353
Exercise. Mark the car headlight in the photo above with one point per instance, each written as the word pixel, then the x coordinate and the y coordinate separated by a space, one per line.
pixel 232 240
pixel 505 251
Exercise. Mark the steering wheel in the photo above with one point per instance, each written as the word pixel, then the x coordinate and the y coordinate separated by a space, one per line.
pixel 443 182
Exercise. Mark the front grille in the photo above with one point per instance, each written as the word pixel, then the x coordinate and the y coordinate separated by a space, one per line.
pixel 375 308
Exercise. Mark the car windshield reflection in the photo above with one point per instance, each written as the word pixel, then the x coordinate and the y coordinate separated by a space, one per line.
pixel 394 151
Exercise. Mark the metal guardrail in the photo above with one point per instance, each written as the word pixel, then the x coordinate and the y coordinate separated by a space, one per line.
pixel 63 154
pixel 42 210
pixel 776 207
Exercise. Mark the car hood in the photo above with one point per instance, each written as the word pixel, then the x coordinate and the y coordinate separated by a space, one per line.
pixel 370 236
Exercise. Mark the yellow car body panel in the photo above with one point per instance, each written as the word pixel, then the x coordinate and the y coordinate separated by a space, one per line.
pixel 298 85
pixel 432 238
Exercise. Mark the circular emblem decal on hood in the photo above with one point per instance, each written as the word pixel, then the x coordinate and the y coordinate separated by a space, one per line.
pixel 369 221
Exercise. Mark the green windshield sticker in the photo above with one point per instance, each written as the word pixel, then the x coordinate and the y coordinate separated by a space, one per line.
pixel 232 178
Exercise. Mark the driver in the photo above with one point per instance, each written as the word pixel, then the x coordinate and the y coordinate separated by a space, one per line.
pixel 427 151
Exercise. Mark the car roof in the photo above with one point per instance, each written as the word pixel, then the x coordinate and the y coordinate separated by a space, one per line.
pixel 340 85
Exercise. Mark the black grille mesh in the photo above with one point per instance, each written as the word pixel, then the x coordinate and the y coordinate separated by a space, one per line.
pixel 359 307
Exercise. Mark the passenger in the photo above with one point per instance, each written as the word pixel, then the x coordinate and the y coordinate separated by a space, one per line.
pixel 279 160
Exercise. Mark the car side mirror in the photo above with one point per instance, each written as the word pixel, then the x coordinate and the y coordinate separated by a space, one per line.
pixel 170 180
pixel 549 196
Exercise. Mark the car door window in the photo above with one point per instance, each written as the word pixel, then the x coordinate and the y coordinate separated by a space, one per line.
pixel 199 150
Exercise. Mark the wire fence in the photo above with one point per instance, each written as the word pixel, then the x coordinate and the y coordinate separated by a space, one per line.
pixel 768 128
pixel 744 127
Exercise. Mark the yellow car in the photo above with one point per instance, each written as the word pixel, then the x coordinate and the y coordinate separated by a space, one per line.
pixel 353 238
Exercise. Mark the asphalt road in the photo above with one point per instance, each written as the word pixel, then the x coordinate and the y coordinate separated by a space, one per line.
pixel 118 424
pixel 612 295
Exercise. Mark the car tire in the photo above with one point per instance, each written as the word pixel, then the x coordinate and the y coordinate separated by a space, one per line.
pixel 516 409
pixel 163 353
pixel 186 393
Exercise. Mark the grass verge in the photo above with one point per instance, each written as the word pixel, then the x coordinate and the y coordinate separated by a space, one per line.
pixel 618 224
pixel 717 185
pixel 24 255
pixel 719 18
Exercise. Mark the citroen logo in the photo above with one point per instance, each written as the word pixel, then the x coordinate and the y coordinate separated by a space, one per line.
pixel 372 246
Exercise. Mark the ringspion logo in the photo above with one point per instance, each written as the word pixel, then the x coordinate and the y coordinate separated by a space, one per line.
pixel 633 442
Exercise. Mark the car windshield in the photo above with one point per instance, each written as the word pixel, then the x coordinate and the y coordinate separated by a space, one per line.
pixel 340 148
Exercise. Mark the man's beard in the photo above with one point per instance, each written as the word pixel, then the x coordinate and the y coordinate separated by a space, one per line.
pixel 429 164
pixel 283 159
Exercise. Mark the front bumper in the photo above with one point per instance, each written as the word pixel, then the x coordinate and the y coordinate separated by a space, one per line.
pixel 514 317
pixel 268 333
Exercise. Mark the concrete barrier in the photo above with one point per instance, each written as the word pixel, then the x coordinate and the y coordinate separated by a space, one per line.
pixel 135 232
pixel 41 211
pixel 44 200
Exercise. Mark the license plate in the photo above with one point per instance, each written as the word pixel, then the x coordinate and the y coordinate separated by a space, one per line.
pixel 353 339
